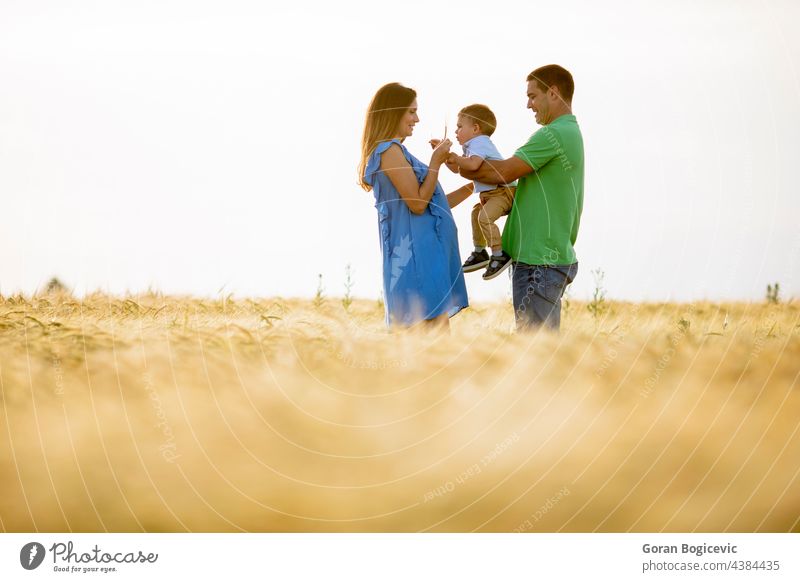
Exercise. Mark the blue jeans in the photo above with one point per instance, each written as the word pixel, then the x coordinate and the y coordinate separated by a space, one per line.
pixel 537 291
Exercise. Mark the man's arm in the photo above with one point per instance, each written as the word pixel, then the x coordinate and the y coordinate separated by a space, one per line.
pixel 498 171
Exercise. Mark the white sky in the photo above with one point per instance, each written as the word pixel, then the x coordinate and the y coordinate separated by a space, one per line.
pixel 190 145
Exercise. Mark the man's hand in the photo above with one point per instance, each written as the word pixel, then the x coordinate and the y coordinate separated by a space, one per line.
pixel 434 143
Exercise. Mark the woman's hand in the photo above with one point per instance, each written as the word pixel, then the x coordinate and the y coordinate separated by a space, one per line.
pixel 440 152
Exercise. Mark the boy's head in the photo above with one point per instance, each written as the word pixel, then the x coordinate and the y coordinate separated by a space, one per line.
pixel 475 120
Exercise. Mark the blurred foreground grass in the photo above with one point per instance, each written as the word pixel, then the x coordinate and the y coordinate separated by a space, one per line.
pixel 162 413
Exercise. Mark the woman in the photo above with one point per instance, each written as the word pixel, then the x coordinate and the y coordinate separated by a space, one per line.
pixel 422 277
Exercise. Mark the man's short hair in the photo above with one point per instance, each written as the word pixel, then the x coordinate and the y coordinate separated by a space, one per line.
pixel 481 115
pixel 554 76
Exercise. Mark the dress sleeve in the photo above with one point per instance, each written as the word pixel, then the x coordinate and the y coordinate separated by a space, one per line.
pixel 374 162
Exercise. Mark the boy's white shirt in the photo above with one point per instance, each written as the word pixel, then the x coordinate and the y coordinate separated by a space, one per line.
pixel 484 148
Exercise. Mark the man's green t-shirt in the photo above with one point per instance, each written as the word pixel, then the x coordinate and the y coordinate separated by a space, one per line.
pixel 543 223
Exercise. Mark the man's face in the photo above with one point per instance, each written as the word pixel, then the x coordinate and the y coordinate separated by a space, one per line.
pixel 538 101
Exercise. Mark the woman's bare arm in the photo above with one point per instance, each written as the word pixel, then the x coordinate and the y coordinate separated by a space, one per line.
pixel 396 167
pixel 456 197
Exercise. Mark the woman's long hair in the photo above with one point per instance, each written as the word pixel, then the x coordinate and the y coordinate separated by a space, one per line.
pixel 383 117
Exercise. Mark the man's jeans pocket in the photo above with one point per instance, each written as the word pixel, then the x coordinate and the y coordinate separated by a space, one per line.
pixel 537 291
pixel 556 279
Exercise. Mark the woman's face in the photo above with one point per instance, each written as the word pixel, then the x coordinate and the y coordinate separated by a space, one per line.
pixel 408 121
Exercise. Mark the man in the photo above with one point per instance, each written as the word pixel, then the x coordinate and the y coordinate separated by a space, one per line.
pixel 542 226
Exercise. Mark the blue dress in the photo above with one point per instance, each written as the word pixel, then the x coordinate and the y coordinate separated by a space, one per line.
pixel 422 276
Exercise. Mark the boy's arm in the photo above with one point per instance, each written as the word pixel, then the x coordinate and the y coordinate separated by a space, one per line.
pixel 456 197
pixel 470 163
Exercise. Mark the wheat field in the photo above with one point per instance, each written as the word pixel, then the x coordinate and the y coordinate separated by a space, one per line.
pixel 164 413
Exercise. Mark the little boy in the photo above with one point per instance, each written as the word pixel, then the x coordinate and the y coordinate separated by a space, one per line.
pixel 475 124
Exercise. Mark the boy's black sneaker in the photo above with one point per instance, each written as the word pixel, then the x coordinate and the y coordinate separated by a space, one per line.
pixel 497 266
pixel 477 260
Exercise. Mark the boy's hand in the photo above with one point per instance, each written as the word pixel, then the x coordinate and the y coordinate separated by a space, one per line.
pixel 451 163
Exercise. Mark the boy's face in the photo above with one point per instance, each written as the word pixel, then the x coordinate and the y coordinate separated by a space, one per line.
pixel 466 129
